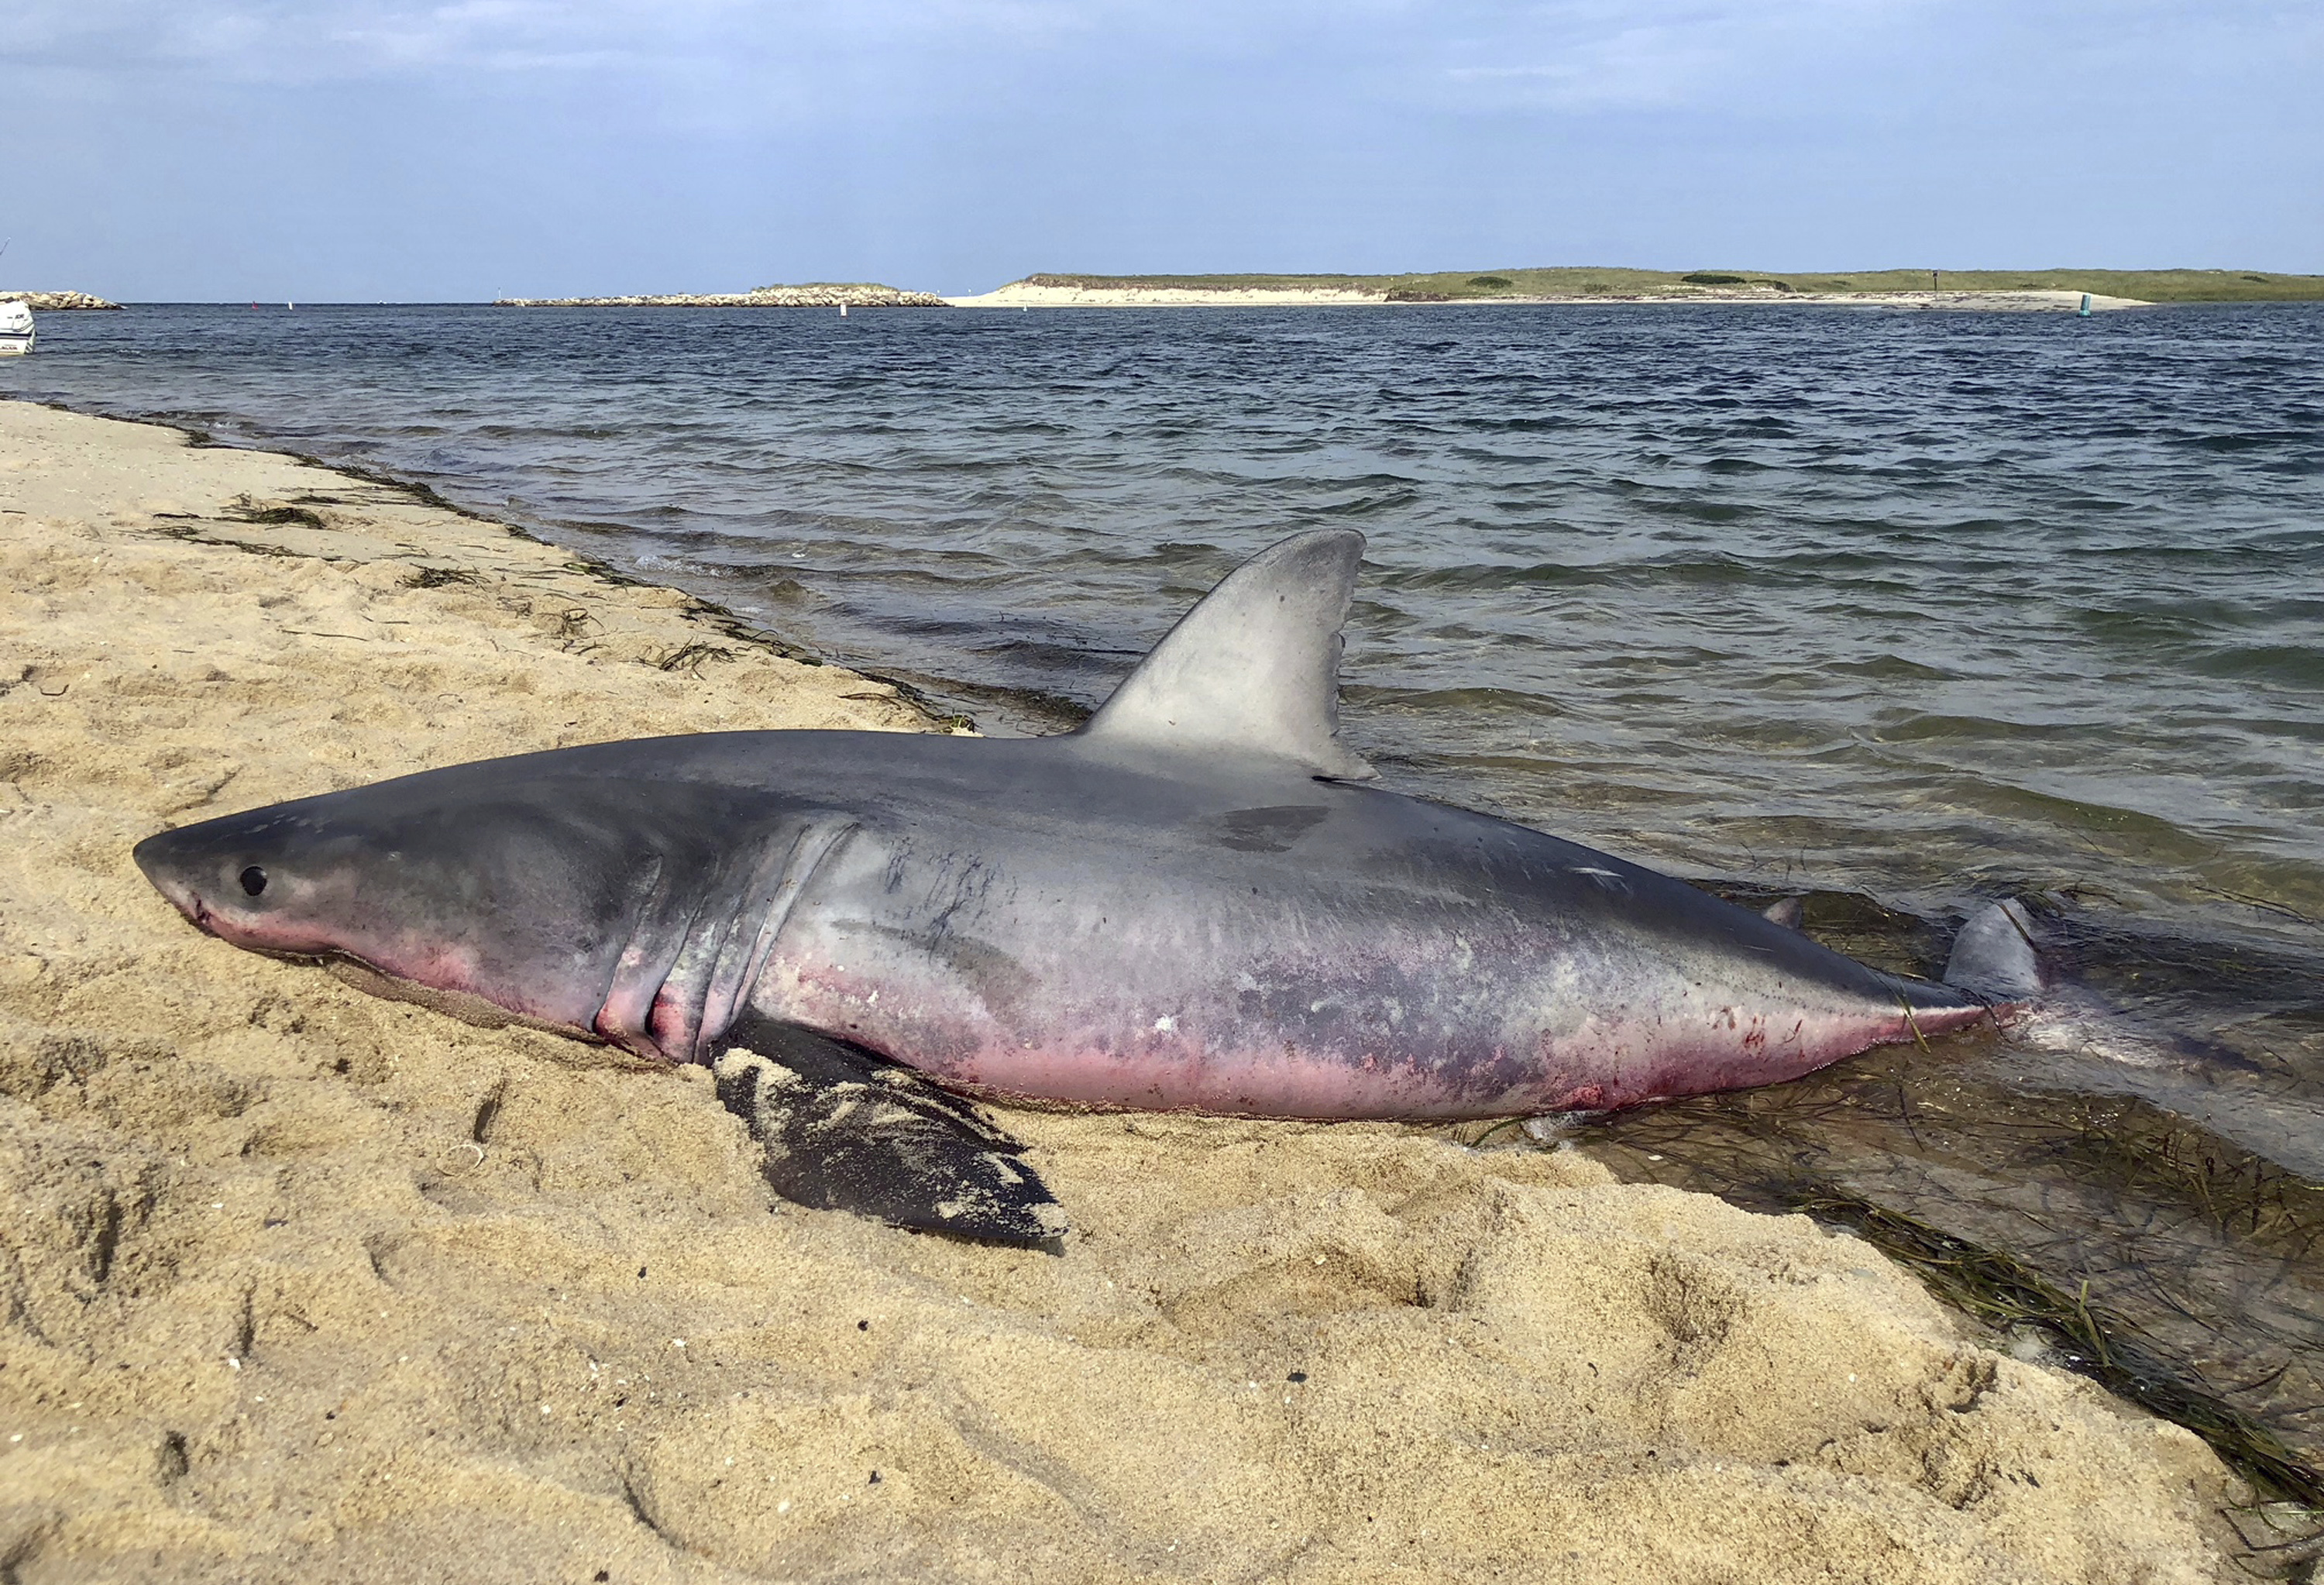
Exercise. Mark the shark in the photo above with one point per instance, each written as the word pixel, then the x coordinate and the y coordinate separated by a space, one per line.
pixel 1197 901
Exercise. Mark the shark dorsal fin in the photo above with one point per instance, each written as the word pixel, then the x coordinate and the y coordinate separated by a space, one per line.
pixel 1253 668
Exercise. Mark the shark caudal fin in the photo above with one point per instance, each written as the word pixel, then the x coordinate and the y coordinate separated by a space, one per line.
pixel 1255 667
pixel 1994 956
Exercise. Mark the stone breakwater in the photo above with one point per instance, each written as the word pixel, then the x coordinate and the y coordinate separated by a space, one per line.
pixel 819 295
pixel 57 299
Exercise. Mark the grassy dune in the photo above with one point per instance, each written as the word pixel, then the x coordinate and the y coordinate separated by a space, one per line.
pixel 2159 286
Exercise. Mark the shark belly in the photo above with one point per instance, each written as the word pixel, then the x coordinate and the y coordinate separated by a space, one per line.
pixel 1072 971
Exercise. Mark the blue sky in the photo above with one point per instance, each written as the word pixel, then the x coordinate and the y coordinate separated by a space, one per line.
pixel 235 149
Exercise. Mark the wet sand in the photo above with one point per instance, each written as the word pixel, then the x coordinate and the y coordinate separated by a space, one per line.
pixel 300 1285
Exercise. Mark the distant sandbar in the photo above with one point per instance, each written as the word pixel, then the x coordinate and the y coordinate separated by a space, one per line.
pixel 1048 294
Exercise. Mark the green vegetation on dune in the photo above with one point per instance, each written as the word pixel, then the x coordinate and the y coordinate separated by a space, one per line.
pixel 2154 286
pixel 2158 286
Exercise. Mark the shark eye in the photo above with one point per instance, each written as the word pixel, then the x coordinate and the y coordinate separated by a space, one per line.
pixel 253 880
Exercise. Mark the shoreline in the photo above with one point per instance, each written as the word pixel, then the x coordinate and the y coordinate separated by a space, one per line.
pixel 929 712
pixel 280 1247
pixel 1025 295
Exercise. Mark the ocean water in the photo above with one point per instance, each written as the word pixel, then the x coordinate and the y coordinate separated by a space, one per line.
pixel 1897 611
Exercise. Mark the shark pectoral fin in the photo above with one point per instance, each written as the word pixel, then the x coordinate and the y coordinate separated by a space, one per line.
pixel 845 1130
pixel 1994 957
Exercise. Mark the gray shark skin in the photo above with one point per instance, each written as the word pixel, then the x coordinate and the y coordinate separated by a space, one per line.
pixel 1191 903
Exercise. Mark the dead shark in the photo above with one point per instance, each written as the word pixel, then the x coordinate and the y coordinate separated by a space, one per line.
pixel 1193 902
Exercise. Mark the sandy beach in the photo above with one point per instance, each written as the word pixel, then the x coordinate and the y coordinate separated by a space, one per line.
pixel 296 1284
pixel 1027 294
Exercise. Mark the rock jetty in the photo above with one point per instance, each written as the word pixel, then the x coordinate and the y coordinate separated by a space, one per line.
pixel 818 294
pixel 57 299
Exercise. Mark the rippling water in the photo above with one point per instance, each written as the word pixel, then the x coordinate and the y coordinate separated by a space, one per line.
pixel 1899 610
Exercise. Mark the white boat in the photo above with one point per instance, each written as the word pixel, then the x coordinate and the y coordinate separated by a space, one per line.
pixel 15 327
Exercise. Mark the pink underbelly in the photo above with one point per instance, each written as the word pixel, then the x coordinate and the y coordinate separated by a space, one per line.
pixel 1208 1060
pixel 1157 1071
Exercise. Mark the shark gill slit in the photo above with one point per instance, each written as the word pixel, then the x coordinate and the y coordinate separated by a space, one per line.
pixel 705 979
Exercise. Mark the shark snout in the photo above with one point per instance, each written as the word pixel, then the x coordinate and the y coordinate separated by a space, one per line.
pixel 157 857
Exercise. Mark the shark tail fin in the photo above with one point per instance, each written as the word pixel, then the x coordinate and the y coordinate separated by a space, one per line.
pixel 1994 956
pixel 1254 668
